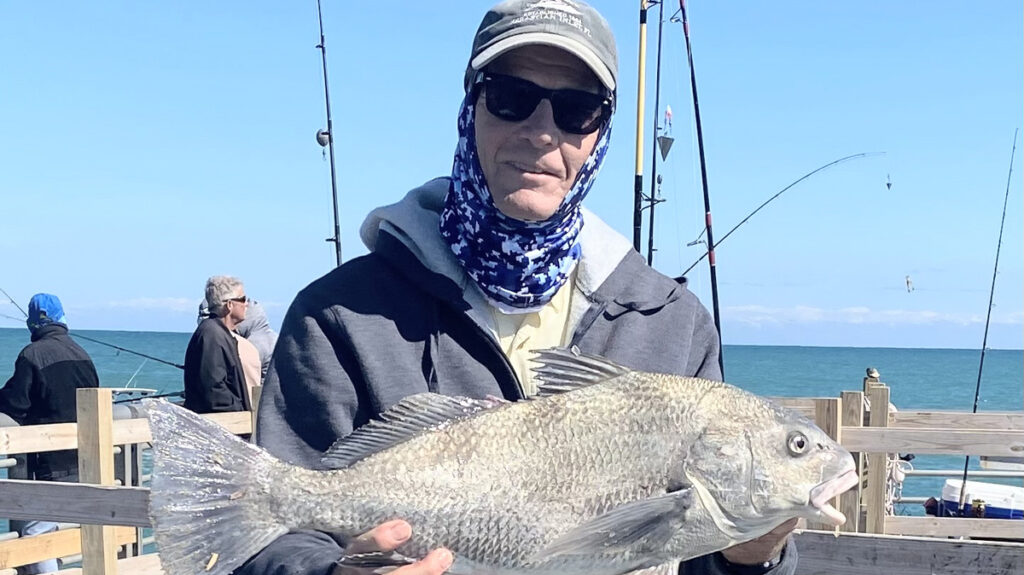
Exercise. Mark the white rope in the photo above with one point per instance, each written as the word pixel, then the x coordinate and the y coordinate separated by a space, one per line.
pixel 895 472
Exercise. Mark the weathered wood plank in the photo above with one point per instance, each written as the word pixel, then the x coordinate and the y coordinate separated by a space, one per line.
pixel 875 498
pixel 955 527
pixel 853 416
pixel 827 411
pixel 942 441
pixel 38 438
pixel 824 553
pixel 58 436
pixel 137 430
pixel 25 550
pixel 257 392
pixel 802 405
pixel 74 503
pixel 141 565
pixel 959 419
pixel 96 465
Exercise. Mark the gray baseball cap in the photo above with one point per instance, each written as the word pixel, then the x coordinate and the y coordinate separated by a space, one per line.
pixel 573 26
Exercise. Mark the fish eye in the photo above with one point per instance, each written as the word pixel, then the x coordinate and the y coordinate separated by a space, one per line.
pixel 797 443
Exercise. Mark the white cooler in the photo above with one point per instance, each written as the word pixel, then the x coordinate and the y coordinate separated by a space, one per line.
pixel 1001 501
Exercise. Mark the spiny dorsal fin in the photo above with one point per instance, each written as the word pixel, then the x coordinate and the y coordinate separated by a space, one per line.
pixel 563 370
pixel 408 418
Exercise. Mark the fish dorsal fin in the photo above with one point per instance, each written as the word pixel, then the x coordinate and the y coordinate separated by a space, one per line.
pixel 408 418
pixel 563 370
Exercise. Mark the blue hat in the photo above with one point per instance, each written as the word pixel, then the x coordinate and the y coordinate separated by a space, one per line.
pixel 44 309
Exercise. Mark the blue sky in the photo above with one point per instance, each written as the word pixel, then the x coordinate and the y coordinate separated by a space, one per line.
pixel 146 146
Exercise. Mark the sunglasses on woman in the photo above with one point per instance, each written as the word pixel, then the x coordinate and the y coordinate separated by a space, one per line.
pixel 514 99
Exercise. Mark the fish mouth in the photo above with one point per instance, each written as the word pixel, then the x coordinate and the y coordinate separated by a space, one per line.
pixel 823 492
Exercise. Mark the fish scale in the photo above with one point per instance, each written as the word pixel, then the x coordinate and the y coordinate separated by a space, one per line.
pixel 610 471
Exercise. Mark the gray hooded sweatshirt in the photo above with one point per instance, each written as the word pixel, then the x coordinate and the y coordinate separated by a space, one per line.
pixel 406 319
pixel 257 330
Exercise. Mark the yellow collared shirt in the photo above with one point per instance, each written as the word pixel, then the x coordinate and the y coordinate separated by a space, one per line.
pixel 519 335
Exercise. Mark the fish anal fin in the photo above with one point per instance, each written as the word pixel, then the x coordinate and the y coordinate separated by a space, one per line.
pixel 648 523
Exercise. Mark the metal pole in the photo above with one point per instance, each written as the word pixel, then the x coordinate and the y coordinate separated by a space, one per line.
pixel 704 183
pixel 322 46
pixel 654 143
pixel 638 181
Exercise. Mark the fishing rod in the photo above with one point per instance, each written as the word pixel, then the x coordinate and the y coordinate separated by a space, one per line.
pixel 638 178
pixel 988 317
pixel 80 336
pixel 769 200
pixel 25 313
pixel 158 396
pixel 327 139
pixel 704 183
pixel 655 179
pixel 119 348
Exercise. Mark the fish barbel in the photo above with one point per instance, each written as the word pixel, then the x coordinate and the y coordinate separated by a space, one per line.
pixel 607 471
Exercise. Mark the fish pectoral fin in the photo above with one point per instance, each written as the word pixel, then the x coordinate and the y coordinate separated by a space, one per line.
pixel 375 560
pixel 648 523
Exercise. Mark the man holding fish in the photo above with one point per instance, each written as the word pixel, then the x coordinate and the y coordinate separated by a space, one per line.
pixel 466 277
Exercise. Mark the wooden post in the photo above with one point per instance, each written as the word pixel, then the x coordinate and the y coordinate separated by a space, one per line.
pixel 257 391
pixel 827 412
pixel 849 502
pixel 877 462
pixel 96 466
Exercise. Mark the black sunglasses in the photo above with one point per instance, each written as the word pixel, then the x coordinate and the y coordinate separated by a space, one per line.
pixel 241 299
pixel 514 99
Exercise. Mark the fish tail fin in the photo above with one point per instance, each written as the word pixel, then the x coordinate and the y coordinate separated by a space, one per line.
pixel 210 499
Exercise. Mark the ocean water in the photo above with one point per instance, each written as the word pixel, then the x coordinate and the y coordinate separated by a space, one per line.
pixel 919 378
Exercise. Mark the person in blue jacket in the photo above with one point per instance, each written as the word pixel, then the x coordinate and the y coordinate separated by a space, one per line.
pixel 47 375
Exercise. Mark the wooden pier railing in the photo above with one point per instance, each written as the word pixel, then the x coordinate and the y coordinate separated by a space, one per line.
pixel 113 516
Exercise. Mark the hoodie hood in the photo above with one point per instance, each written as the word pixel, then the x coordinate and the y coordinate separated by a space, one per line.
pixel 413 221
pixel 257 330
pixel 44 309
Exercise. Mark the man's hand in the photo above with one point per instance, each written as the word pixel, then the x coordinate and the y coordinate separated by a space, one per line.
pixel 387 537
pixel 763 549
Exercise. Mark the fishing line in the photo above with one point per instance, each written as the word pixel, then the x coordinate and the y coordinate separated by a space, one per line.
pixel 777 194
pixel 132 378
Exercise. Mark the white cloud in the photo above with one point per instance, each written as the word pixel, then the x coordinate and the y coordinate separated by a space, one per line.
pixel 169 304
pixel 756 315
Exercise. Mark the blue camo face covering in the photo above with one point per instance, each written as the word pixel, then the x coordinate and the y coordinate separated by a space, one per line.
pixel 518 265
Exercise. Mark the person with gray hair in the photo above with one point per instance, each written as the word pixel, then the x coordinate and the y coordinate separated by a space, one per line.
pixel 254 328
pixel 214 379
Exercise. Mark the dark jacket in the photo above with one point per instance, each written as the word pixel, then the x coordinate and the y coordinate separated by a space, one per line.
pixel 405 319
pixel 42 390
pixel 214 380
